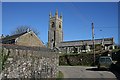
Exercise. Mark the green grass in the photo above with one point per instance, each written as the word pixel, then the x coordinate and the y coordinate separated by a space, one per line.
pixel 60 75
pixel 3 58
pixel 115 50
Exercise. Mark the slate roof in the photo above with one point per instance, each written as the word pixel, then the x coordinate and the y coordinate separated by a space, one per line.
pixel 105 39
pixel 11 38
pixel 14 36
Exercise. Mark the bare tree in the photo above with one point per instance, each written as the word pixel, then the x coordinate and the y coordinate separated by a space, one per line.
pixel 22 29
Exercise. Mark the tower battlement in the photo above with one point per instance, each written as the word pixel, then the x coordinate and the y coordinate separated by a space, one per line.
pixel 56 15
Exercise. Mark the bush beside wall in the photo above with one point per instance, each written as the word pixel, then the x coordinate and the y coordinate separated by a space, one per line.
pixel 78 59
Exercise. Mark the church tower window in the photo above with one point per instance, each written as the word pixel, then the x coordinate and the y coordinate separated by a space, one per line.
pixel 53 24
pixel 59 26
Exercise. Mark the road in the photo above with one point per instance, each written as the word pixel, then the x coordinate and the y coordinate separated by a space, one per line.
pixel 85 72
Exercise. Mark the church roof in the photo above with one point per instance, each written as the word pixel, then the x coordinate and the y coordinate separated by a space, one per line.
pixel 106 41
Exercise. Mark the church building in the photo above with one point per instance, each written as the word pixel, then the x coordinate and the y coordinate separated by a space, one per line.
pixel 55 38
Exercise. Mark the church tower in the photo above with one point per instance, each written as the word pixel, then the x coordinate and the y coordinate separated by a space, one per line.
pixel 55 32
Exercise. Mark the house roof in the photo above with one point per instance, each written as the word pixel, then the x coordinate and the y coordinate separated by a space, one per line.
pixel 13 36
pixel 12 39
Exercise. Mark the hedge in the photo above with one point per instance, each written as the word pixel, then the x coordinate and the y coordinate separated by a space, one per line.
pixel 84 59
pixel 87 59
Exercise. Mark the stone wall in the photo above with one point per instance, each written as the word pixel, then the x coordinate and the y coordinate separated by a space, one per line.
pixel 27 63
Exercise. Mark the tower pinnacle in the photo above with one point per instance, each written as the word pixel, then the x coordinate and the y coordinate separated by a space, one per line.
pixel 56 13
pixel 60 15
pixel 50 14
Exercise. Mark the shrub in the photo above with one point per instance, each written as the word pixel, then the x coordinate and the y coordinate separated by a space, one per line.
pixel 78 59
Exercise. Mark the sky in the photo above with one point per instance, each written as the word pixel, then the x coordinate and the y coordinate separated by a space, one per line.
pixel 77 18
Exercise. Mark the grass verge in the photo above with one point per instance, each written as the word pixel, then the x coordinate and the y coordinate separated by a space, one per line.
pixel 60 75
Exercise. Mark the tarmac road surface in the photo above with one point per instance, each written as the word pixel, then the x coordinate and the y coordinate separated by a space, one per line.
pixel 85 72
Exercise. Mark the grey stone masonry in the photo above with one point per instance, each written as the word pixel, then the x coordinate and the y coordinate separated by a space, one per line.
pixel 85 45
pixel 55 32
pixel 30 64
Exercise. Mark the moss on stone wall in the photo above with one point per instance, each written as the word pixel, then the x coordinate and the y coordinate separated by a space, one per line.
pixel 3 57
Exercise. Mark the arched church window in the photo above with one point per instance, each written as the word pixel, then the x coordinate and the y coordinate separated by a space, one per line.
pixel 53 24
pixel 59 26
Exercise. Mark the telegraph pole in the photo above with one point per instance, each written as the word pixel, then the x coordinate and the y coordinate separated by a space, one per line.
pixel 93 41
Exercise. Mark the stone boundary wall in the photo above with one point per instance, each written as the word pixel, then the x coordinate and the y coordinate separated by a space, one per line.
pixel 27 63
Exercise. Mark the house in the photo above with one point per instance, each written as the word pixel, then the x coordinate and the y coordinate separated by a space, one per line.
pixel 28 38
